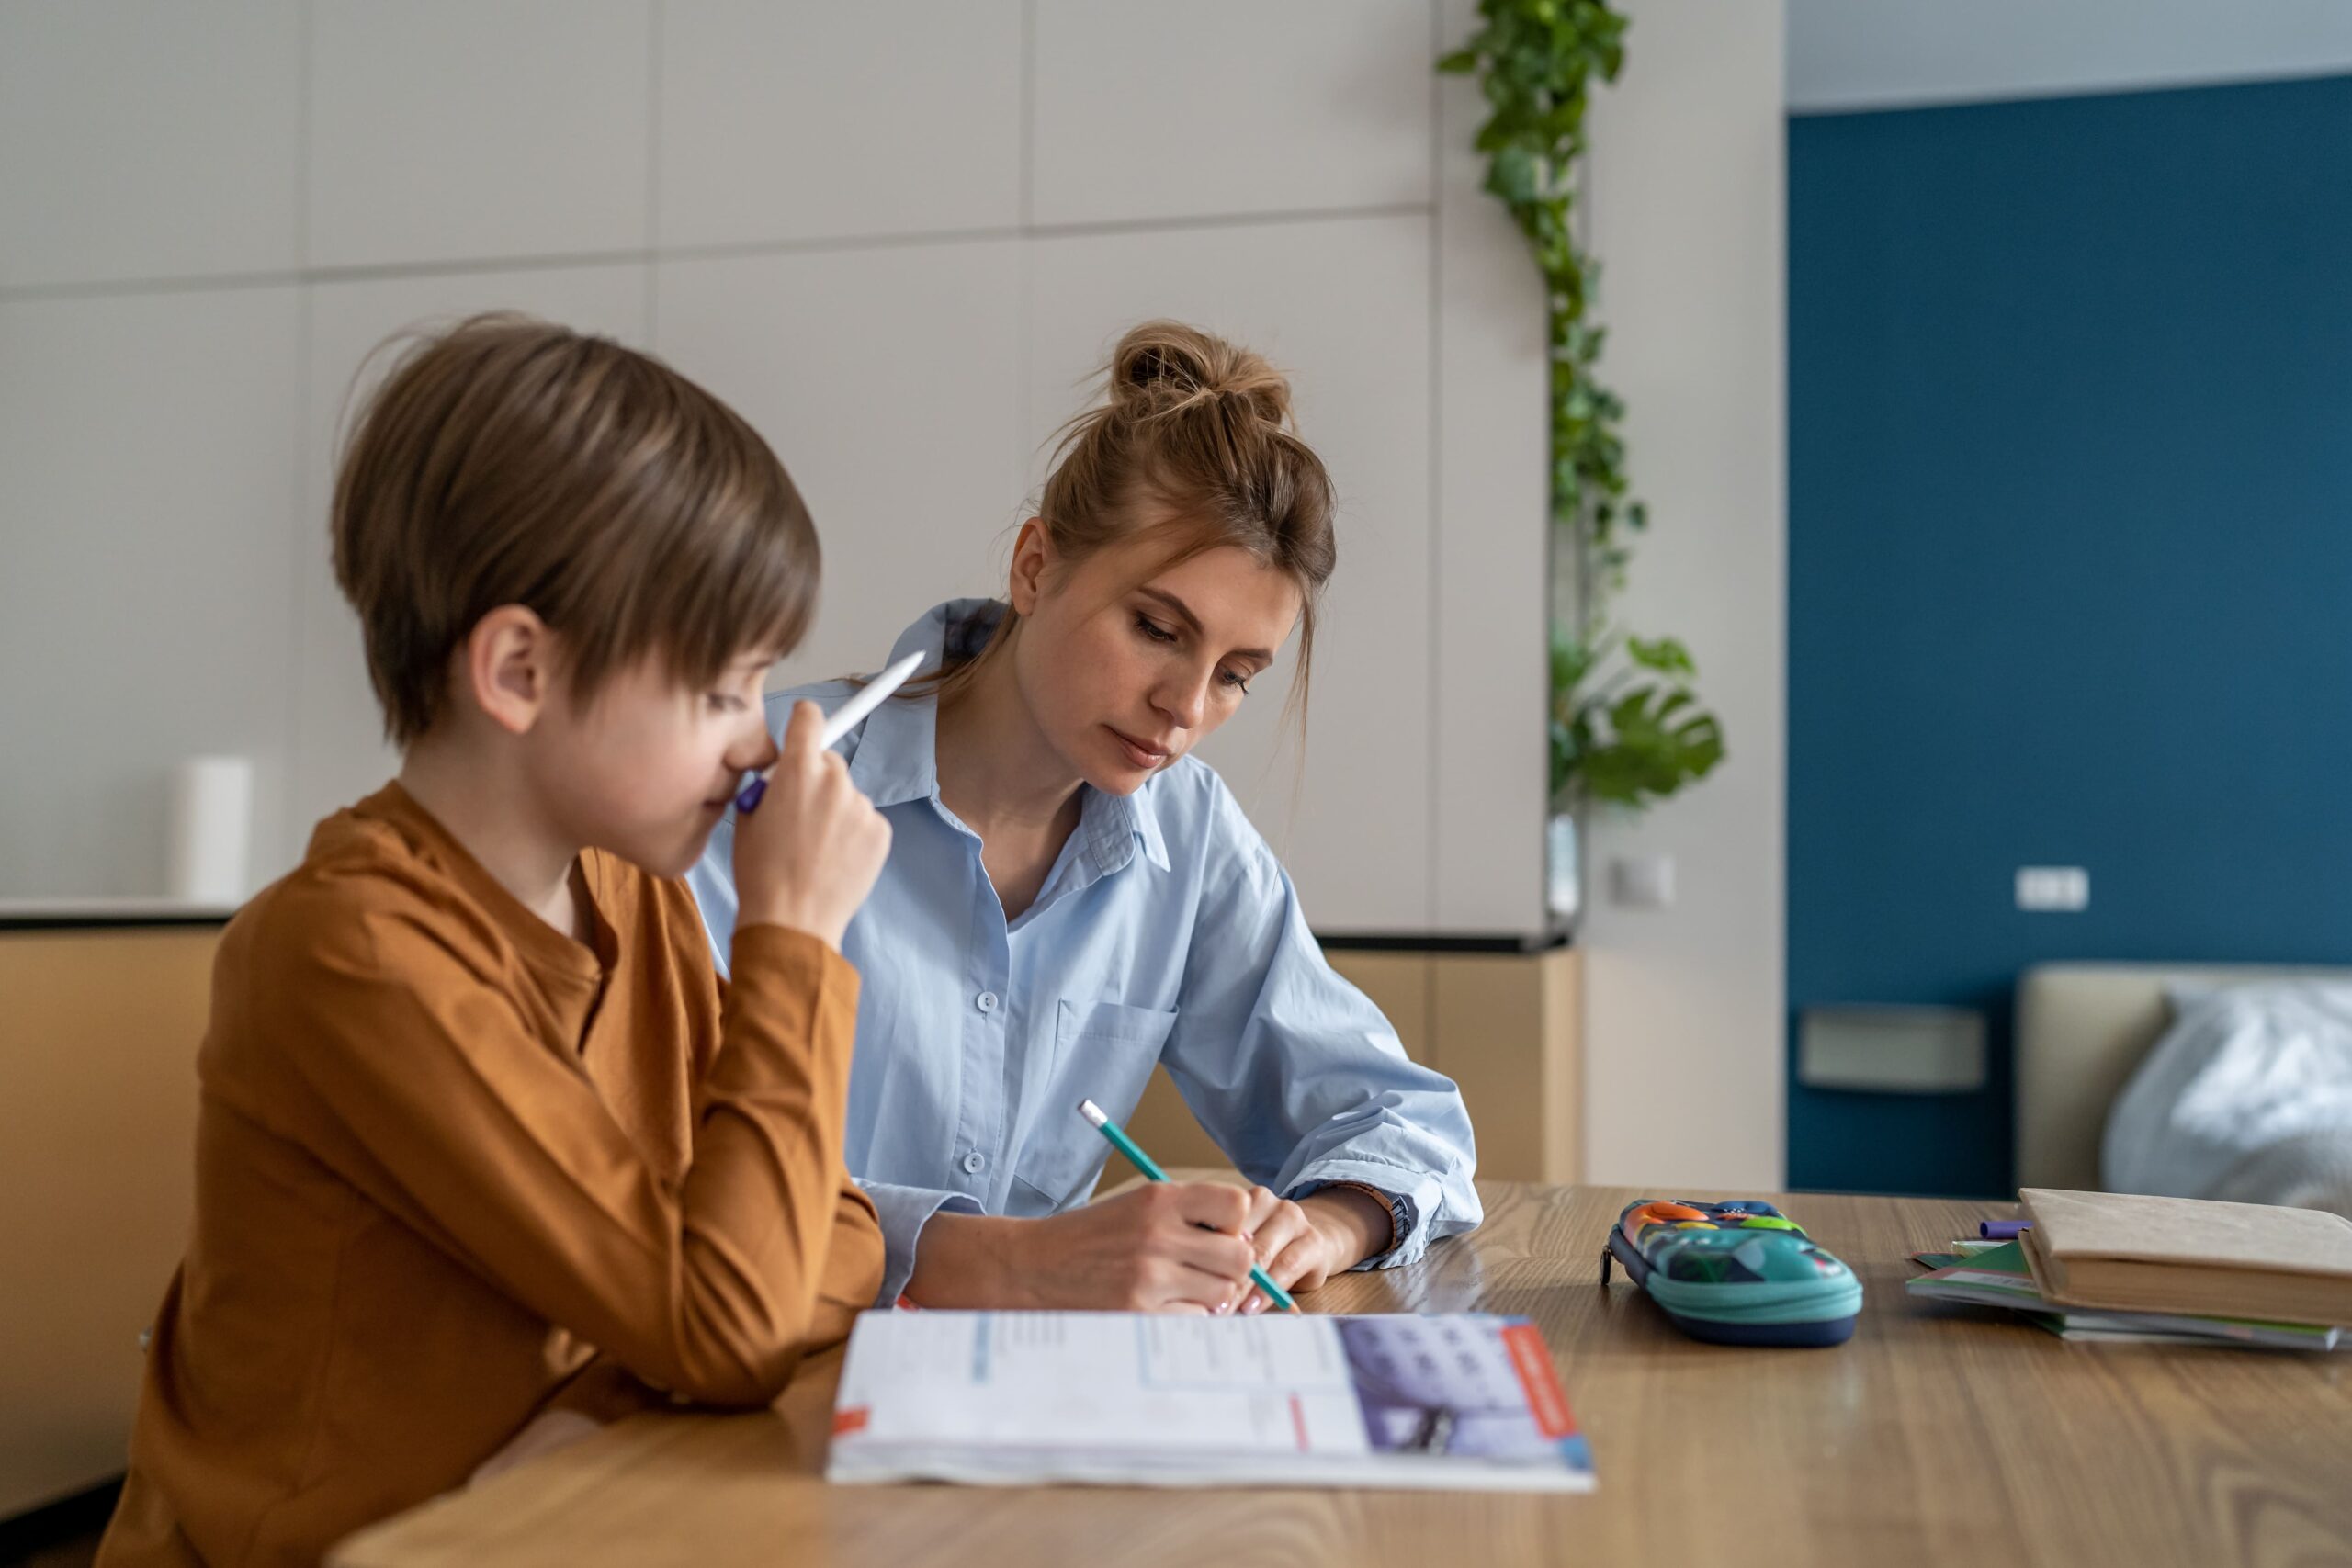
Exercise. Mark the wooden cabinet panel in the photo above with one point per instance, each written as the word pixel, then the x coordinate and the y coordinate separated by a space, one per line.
pixel 1504 1026
pixel 98 1031
pixel 1508 1032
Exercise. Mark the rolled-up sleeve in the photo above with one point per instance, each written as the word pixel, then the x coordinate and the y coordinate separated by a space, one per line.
pixel 904 1211
pixel 1296 1075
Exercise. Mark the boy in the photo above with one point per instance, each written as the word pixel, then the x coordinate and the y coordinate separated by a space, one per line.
pixel 481 1139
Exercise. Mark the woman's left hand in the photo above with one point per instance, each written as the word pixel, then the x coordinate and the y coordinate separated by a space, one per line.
pixel 1305 1243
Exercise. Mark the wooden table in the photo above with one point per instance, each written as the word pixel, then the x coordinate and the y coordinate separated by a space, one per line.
pixel 1939 1434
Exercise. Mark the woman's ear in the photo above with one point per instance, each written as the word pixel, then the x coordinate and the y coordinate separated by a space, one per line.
pixel 509 669
pixel 1032 565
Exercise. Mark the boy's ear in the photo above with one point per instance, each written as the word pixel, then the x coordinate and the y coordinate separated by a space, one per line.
pixel 1033 563
pixel 509 667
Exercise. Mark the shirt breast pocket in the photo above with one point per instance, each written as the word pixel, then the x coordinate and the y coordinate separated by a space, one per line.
pixel 1104 1052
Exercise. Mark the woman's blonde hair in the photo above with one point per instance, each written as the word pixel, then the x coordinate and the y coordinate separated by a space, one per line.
pixel 1195 444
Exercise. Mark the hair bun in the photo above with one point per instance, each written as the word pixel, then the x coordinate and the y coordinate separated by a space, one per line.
pixel 1163 368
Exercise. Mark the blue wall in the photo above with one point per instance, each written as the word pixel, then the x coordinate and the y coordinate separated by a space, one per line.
pixel 2070 574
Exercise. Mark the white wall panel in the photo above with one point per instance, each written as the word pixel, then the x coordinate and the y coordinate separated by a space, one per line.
pixel 1148 110
pixel 797 122
pixel 1343 307
pixel 148 472
pixel 1689 214
pixel 147 139
pixel 888 381
pixel 454 148
pixel 450 129
pixel 1489 659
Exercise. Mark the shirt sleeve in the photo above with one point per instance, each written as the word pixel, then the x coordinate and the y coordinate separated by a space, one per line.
pixel 903 1211
pixel 1295 1072
pixel 410 1072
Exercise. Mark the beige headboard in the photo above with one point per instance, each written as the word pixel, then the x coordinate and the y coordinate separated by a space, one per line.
pixel 2081 1030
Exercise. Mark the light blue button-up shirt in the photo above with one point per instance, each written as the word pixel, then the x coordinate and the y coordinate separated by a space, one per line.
pixel 1166 932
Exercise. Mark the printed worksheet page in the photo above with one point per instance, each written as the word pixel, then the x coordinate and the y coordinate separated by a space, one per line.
pixel 1063 1379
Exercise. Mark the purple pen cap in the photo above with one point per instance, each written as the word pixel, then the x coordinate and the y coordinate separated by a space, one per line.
pixel 846 717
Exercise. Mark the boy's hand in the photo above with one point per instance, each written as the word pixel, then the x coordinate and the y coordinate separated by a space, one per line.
pixel 808 857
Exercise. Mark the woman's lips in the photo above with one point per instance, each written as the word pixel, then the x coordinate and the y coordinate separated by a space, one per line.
pixel 1141 755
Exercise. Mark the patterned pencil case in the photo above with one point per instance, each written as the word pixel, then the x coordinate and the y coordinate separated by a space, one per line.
pixel 1735 1273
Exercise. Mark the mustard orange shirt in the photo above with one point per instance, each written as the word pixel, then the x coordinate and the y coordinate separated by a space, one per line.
pixel 447 1157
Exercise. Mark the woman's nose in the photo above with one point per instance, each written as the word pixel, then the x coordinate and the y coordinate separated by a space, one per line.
pixel 1183 702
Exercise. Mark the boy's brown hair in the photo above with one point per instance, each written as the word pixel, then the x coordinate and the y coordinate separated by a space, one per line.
pixel 510 461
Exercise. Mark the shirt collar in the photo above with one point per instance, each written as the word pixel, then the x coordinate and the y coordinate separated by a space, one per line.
pixel 1113 823
pixel 897 758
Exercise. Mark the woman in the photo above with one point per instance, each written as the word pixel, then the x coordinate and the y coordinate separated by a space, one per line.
pixel 1071 898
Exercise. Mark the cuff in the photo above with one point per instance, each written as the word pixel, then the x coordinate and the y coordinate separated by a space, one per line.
pixel 1400 1216
pixel 1411 1196
pixel 904 1211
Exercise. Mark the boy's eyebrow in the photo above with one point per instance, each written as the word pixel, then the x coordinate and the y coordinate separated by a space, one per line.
pixel 1184 612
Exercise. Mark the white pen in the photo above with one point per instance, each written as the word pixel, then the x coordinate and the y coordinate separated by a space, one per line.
pixel 845 719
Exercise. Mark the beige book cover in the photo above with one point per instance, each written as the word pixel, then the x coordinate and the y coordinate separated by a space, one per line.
pixel 2127 1252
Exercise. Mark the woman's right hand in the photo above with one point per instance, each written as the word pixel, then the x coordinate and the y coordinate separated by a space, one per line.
pixel 809 854
pixel 1141 1251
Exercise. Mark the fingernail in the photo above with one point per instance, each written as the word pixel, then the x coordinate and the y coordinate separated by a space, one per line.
pixel 1224 1307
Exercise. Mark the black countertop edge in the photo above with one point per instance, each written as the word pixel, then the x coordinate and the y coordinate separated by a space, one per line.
pixel 82 922
pixel 1443 941
pixel 54 1524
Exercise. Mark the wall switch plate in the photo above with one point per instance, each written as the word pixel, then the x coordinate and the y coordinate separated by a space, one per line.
pixel 2053 888
pixel 1642 882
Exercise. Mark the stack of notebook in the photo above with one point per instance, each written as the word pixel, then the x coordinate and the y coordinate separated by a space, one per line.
pixel 2114 1265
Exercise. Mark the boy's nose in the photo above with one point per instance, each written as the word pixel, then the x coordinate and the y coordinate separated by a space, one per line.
pixel 759 750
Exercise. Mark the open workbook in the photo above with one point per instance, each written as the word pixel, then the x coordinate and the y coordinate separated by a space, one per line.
pixel 1468 1403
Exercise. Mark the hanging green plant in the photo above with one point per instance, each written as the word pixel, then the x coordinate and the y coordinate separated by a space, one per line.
pixel 1627 728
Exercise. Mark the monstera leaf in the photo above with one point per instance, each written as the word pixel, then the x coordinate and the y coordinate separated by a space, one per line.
pixel 1636 735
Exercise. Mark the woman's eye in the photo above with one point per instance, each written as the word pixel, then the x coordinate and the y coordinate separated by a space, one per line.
pixel 1238 680
pixel 1153 630
pixel 721 703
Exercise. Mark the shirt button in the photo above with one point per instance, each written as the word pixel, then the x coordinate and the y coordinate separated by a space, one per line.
pixel 973 1162
pixel 985 1001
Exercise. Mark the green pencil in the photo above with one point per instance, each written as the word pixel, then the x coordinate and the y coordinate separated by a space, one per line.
pixel 1151 1172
